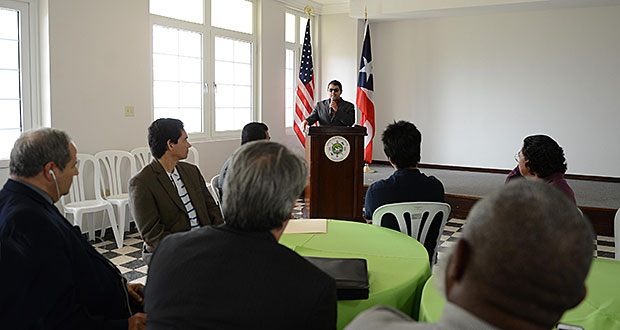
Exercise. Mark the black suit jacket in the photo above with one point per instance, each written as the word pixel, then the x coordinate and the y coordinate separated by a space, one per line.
pixel 224 278
pixel 50 276
pixel 345 116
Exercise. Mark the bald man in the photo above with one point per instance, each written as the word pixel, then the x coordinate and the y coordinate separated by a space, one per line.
pixel 521 262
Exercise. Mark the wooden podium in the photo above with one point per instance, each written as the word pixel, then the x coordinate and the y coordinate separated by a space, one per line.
pixel 335 156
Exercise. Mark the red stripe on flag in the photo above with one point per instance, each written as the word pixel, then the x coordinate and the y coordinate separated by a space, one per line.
pixel 367 108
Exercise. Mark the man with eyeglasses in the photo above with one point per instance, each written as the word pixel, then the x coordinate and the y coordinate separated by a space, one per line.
pixel 334 111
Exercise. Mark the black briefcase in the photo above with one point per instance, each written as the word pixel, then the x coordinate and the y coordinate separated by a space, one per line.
pixel 351 276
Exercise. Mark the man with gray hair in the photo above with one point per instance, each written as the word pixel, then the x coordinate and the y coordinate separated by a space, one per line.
pixel 521 263
pixel 237 275
pixel 50 276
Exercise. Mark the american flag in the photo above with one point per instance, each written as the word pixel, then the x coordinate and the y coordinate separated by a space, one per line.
pixel 365 95
pixel 304 99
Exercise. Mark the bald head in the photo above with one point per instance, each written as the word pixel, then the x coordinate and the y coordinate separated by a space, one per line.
pixel 529 248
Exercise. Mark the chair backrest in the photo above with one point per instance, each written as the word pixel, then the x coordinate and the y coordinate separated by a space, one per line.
pixel 195 156
pixel 77 193
pixel 421 215
pixel 143 157
pixel 214 188
pixel 617 234
pixel 117 167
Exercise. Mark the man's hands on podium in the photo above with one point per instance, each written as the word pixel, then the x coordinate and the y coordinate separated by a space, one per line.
pixel 305 125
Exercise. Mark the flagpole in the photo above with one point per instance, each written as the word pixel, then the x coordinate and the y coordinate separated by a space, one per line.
pixel 308 10
pixel 367 168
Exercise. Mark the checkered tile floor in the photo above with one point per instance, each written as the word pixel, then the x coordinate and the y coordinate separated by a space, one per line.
pixel 129 257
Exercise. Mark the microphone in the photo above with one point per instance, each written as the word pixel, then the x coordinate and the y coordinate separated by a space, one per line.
pixel 332 99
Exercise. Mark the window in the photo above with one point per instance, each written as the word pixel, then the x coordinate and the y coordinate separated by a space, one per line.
pixel 16 89
pixel 295 29
pixel 203 64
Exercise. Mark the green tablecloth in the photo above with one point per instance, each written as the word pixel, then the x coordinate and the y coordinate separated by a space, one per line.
pixel 600 309
pixel 397 264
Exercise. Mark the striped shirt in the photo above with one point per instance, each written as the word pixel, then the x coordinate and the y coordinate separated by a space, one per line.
pixel 191 212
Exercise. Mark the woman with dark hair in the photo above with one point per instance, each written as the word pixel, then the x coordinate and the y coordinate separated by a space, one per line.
pixel 542 158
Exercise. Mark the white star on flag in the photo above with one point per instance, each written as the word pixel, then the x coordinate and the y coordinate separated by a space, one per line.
pixel 367 69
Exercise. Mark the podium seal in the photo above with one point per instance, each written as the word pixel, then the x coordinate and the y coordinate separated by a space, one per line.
pixel 337 148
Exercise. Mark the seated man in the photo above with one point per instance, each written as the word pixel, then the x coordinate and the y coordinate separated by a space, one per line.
pixel 50 277
pixel 401 144
pixel 251 132
pixel 169 196
pixel 521 262
pixel 237 275
pixel 543 159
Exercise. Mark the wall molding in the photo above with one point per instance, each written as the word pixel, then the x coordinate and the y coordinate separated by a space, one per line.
pixel 504 171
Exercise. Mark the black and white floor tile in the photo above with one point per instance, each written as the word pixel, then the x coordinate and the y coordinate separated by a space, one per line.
pixel 128 259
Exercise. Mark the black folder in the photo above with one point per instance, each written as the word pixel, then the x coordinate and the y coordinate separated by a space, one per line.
pixel 351 276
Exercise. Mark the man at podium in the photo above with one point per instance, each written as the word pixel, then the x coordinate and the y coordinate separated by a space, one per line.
pixel 334 111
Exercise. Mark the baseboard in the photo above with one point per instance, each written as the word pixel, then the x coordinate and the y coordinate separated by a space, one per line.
pixel 504 171
pixel 602 219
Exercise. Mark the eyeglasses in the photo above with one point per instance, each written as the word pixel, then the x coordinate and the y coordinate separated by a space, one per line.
pixel 335 90
pixel 518 156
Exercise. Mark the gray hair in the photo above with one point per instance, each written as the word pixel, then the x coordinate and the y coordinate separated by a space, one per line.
pixel 529 241
pixel 34 149
pixel 262 183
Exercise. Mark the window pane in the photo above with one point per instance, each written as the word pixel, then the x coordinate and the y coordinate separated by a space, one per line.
pixel 9 56
pixel 243 52
pixel 10 114
pixel 190 69
pixel 9 24
pixel 289 27
pixel 190 44
pixel 242 117
pixel 8 138
pixel 177 76
pixel 233 15
pixel 9 84
pixel 224 72
pixel 224 49
pixel 224 119
pixel 192 119
pixel 224 96
pixel 165 40
pixel 302 29
pixel 190 95
pixel 187 10
pixel 165 94
pixel 165 67
pixel 243 74
pixel 243 97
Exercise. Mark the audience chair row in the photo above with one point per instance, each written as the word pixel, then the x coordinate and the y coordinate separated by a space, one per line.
pixel 107 173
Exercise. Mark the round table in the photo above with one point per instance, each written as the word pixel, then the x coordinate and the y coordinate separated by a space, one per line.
pixel 398 265
pixel 600 309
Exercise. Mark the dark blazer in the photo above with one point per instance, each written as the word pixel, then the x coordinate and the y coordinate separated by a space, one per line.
pixel 345 116
pixel 157 207
pixel 224 278
pixel 50 276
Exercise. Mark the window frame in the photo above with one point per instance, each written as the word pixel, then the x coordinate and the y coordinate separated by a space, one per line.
pixel 28 64
pixel 296 47
pixel 209 33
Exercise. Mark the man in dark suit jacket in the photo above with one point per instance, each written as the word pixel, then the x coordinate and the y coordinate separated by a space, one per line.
pixel 334 111
pixel 169 196
pixel 237 275
pixel 50 277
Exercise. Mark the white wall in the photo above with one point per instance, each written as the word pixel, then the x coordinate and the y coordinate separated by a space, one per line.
pixel 99 59
pixel 338 51
pixel 476 86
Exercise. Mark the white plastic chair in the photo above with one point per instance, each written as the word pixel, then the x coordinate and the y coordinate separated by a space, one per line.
pixel 617 234
pixel 117 167
pixel 77 203
pixel 143 157
pixel 215 190
pixel 418 211
pixel 195 156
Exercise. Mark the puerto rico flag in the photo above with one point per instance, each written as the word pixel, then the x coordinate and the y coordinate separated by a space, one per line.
pixel 304 98
pixel 365 95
